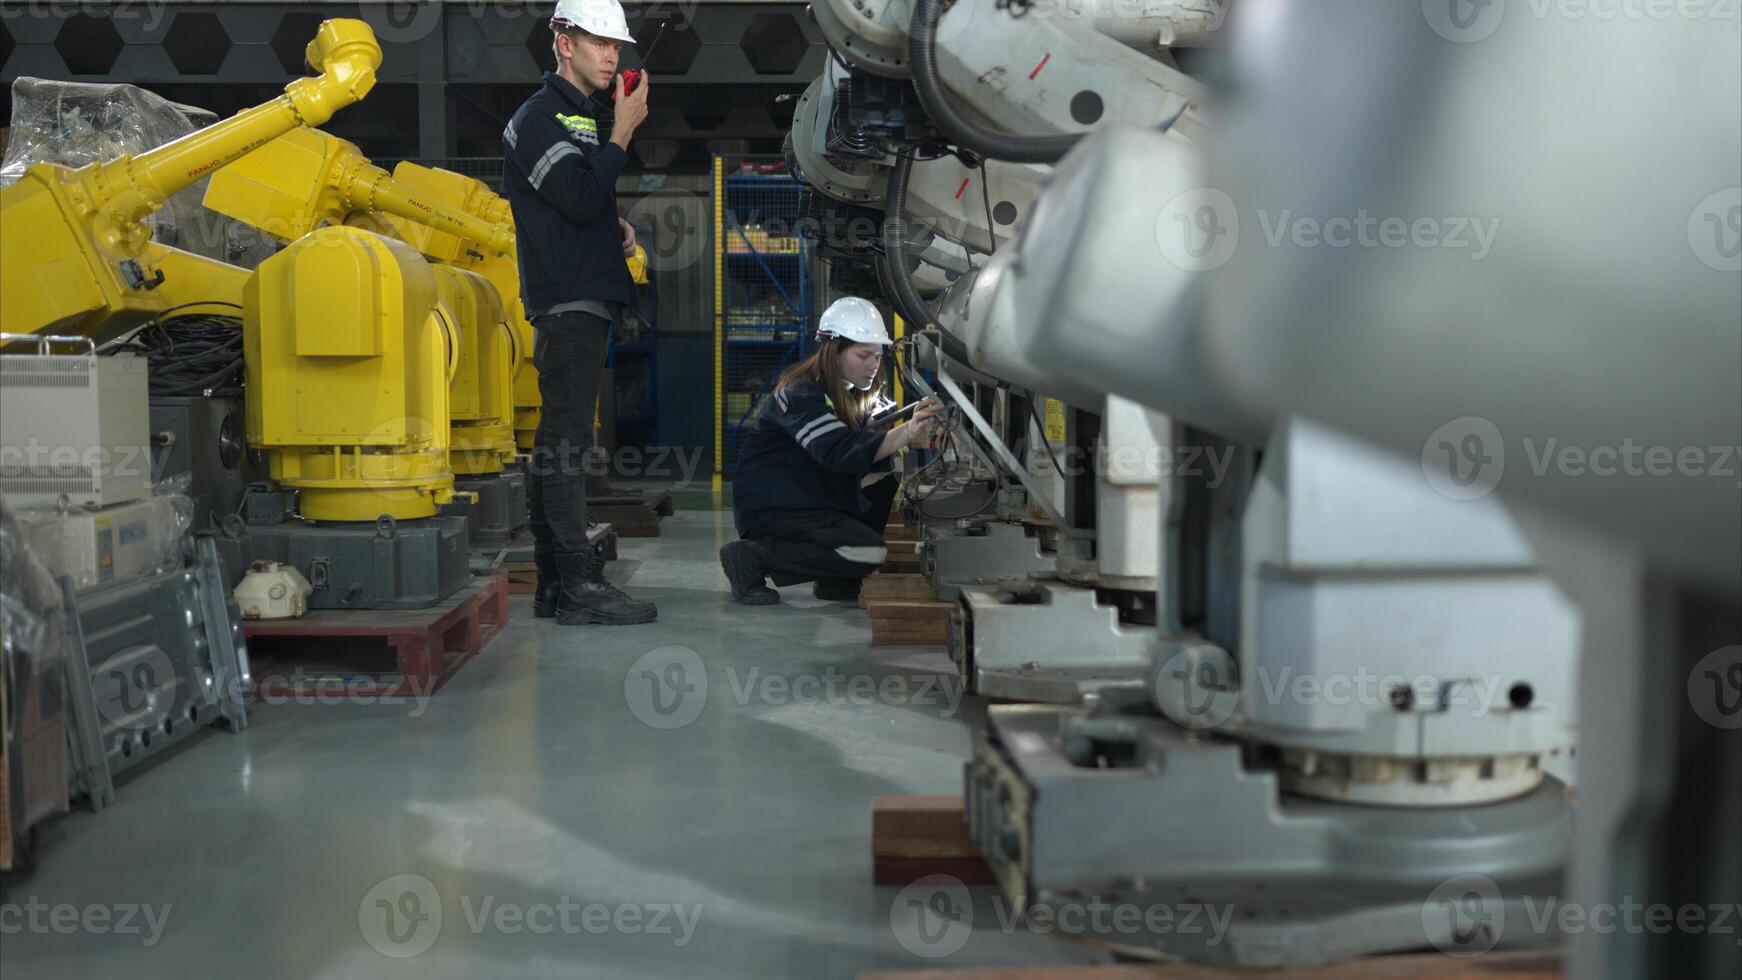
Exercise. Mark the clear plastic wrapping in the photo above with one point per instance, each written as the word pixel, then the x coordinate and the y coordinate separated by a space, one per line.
pixel 94 547
pixel 77 123
pixel 31 620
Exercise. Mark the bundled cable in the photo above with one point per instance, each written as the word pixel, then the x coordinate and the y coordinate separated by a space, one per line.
pixel 190 353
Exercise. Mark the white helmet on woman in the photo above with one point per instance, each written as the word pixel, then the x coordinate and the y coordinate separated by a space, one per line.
pixel 854 319
pixel 603 18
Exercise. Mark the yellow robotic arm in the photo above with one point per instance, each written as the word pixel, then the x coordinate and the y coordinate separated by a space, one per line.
pixel 73 248
pixel 476 198
pixel 306 179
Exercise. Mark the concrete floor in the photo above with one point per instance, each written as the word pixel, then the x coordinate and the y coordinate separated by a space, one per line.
pixel 549 813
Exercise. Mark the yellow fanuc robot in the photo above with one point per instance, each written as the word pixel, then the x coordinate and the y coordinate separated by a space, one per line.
pixel 307 180
pixel 476 198
pixel 75 256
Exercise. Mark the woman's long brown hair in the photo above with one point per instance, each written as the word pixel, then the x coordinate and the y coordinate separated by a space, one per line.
pixel 823 368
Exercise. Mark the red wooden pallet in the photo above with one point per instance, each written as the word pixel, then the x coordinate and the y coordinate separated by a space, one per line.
pixel 430 645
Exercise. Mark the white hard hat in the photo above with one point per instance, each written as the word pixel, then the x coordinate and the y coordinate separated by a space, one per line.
pixel 600 17
pixel 854 319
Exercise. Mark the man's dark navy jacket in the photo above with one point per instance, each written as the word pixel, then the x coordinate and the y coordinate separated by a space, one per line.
pixel 560 175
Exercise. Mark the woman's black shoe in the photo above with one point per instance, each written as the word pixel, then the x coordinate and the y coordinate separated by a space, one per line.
pixel 741 560
pixel 837 589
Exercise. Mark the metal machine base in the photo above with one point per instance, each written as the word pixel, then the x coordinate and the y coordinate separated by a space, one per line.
pixel 498 514
pixel 1044 641
pixel 385 564
pixel 1072 809
pixel 203 440
pixel 151 661
pixel 980 554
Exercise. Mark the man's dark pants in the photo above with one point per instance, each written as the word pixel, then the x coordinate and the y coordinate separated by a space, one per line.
pixel 569 352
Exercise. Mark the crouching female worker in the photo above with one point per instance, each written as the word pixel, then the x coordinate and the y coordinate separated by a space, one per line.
pixel 814 483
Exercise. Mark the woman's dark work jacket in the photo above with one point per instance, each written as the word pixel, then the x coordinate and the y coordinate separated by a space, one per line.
pixel 798 455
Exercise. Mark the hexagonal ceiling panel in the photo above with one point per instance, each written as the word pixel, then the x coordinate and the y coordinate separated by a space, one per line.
pixel 774 43
pixel 290 41
pixel 197 43
pixel 89 45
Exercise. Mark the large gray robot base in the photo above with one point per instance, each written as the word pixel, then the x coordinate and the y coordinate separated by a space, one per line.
pixel 498 514
pixel 980 554
pixel 1071 809
pixel 384 564
pixel 1044 641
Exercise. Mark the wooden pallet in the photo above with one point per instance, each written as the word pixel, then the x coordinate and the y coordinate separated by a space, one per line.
pixel 428 646
pixel 887 586
pixel 915 836
pixel 909 622
pixel 1529 965
pixel 635 514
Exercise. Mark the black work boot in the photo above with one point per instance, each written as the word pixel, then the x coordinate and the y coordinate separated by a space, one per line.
pixel 742 561
pixel 550 585
pixel 837 589
pixel 587 598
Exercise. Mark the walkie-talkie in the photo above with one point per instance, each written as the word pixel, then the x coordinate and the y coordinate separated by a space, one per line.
pixel 632 76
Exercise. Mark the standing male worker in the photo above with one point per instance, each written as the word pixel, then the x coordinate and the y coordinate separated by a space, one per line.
pixel 560 176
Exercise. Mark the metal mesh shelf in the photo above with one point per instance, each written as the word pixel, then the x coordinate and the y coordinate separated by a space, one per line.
pixel 764 315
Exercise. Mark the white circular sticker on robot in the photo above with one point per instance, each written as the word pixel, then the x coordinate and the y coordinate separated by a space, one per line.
pixel 401 916
pixel 1465 458
pixel 1199 229
pixel 1464 916
pixel 667 688
pixel 933 917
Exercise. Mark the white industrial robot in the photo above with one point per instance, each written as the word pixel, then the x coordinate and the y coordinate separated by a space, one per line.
pixel 1063 557
pixel 1365 672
